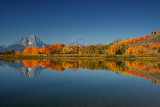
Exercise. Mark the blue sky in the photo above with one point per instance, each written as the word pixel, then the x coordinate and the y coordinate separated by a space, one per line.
pixel 58 21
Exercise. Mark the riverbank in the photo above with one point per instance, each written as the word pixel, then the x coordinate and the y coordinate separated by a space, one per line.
pixel 83 56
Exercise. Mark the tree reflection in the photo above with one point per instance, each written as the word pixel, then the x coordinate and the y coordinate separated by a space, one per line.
pixel 139 68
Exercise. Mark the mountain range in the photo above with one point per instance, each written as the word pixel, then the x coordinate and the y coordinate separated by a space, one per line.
pixel 28 40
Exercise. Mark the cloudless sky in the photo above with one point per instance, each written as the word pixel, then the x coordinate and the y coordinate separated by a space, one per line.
pixel 59 21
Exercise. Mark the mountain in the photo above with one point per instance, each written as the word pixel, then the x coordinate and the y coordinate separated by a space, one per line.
pixel 31 40
pixel 28 40
pixel 2 48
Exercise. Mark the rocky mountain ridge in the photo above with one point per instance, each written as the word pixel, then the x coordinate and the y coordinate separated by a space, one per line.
pixel 28 40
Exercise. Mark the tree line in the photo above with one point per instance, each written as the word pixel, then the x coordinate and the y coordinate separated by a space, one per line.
pixel 117 48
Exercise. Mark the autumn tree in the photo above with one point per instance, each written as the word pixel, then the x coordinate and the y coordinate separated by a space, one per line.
pixel 65 50
pixel 17 53
pixel 121 49
pixel 130 50
pixel 74 49
pixel 112 50
pixel 153 46
pixel 139 50
pixel 35 50
pixel 56 48
pixel 81 50
pixel 27 51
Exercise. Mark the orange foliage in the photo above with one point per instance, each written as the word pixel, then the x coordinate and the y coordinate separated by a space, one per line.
pixel 152 46
pixel 112 50
pixel 27 51
pixel 130 50
pixel 136 40
pixel 117 48
pixel 139 50
pixel 17 53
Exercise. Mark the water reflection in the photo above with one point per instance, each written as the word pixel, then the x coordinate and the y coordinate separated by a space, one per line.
pixel 29 72
pixel 138 68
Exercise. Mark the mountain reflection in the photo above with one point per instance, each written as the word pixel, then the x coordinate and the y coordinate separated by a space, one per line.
pixel 139 68
pixel 19 66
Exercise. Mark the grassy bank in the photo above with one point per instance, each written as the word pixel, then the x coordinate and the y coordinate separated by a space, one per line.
pixel 83 56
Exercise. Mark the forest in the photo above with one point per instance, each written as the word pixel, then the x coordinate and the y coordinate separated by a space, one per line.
pixel 133 46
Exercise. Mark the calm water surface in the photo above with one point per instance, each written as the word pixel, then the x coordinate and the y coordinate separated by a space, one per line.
pixel 79 83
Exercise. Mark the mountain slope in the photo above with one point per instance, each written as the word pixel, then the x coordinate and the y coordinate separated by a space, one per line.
pixel 155 39
pixel 28 40
pixel 1 49
pixel 16 47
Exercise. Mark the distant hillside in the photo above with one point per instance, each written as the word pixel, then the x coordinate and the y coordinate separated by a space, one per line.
pixel 28 40
pixel 155 39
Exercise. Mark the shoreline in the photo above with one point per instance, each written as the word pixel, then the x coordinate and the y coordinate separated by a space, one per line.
pixel 91 56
